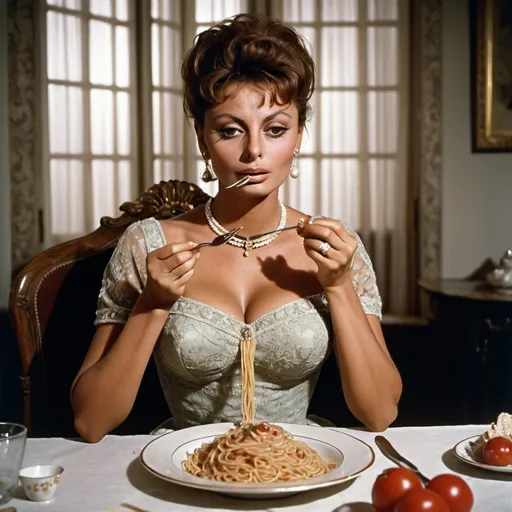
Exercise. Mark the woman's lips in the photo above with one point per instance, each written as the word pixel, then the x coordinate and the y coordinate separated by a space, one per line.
pixel 257 175
pixel 257 178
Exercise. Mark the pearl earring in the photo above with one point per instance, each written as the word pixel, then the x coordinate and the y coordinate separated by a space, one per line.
pixel 294 170
pixel 207 174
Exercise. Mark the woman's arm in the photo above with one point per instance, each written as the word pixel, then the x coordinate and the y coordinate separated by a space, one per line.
pixel 106 386
pixel 104 391
pixel 371 383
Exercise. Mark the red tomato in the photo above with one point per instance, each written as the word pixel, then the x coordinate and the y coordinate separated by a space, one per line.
pixel 497 452
pixel 391 485
pixel 454 491
pixel 419 500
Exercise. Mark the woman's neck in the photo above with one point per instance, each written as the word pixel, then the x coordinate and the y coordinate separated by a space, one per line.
pixel 256 215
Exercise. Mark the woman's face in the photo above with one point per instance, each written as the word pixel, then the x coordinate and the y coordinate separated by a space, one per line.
pixel 245 135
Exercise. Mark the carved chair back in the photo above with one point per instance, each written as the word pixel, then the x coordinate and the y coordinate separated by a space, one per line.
pixel 52 308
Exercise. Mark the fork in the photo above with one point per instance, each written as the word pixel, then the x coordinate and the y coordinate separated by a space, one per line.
pixel 221 239
pixel 240 183
pixel 254 237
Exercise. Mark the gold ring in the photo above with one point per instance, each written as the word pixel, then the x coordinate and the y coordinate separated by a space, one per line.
pixel 324 248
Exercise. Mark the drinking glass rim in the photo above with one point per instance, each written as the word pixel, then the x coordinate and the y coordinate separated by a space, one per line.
pixel 21 433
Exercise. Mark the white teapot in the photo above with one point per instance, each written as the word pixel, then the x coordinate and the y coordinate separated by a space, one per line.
pixel 501 277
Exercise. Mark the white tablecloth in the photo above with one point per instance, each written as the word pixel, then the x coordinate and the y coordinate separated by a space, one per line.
pixel 102 477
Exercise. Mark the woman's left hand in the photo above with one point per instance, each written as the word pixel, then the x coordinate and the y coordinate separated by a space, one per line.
pixel 332 248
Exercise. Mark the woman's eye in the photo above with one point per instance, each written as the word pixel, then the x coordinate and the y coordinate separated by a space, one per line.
pixel 229 133
pixel 277 131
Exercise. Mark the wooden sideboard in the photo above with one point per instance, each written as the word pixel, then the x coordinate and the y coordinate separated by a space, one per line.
pixel 472 328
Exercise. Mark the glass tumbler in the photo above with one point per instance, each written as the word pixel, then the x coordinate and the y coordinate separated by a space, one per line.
pixel 12 448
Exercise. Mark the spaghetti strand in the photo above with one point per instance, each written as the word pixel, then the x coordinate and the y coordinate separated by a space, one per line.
pixel 247 350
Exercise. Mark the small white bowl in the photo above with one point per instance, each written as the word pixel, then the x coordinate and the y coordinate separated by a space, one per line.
pixel 40 482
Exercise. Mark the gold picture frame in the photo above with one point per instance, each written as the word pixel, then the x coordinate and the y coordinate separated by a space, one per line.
pixel 492 74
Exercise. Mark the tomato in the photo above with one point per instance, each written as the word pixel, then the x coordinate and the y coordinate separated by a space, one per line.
pixel 391 485
pixel 454 491
pixel 497 452
pixel 262 427
pixel 419 499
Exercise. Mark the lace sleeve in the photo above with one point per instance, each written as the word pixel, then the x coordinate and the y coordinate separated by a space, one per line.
pixel 123 278
pixel 364 280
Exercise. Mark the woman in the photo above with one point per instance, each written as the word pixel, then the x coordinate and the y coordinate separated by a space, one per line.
pixel 301 292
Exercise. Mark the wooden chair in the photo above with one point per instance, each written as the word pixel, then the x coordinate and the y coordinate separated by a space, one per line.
pixel 52 308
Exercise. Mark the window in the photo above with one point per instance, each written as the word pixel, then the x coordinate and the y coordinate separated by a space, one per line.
pixel 350 153
pixel 115 123
pixel 90 94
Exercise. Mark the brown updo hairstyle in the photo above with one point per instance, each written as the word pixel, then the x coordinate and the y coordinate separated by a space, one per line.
pixel 248 49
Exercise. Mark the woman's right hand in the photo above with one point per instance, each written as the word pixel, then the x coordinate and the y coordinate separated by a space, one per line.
pixel 169 269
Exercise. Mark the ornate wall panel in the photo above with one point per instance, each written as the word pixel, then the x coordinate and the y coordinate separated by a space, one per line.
pixel 430 138
pixel 22 129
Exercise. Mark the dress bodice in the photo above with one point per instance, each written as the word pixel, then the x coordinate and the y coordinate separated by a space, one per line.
pixel 197 353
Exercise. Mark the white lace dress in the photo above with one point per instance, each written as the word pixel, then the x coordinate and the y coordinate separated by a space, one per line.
pixel 197 352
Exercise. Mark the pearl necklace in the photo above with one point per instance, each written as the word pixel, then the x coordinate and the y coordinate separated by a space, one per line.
pixel 240 241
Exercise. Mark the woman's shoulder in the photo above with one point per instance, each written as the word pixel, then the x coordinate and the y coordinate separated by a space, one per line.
pixel 144 235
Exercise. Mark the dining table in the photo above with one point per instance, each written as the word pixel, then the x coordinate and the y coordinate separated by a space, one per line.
pixel 108 476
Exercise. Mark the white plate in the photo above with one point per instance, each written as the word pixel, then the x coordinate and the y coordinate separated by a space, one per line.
pixel 464 451
pixel 163 457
